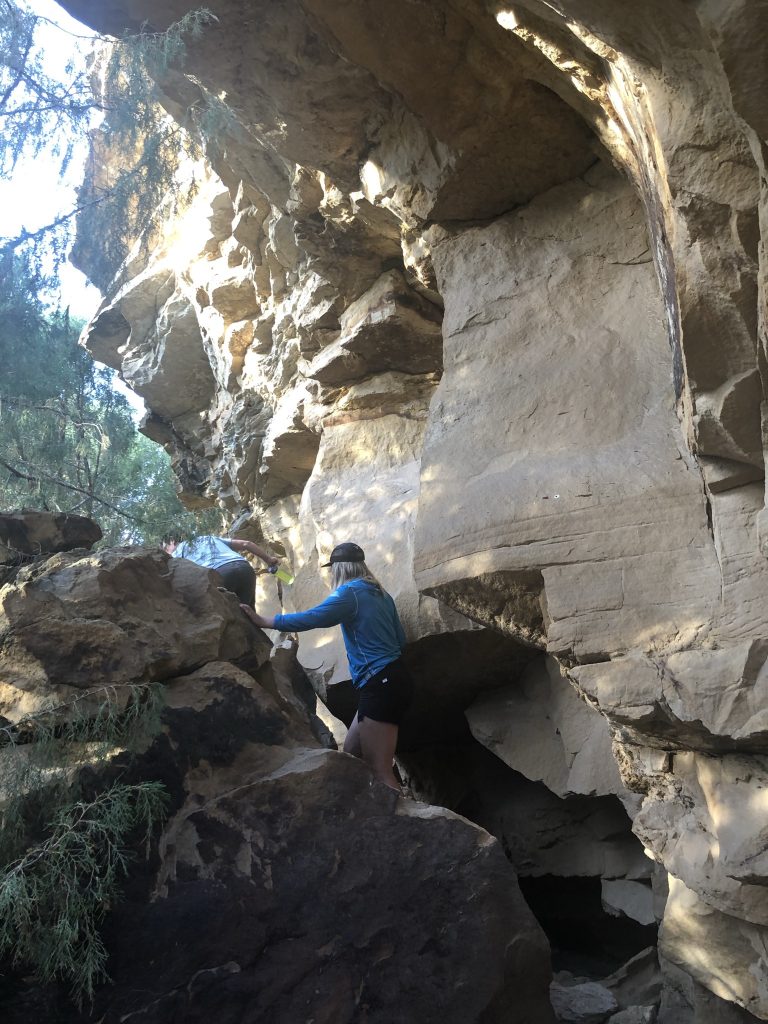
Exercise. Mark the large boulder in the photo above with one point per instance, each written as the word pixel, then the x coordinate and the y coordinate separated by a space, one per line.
pixel 27 534
pixel 280 882
pixel 82 622
pixel 286 884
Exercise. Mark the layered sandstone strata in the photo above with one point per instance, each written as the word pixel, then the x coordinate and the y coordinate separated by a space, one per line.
pixel 483 287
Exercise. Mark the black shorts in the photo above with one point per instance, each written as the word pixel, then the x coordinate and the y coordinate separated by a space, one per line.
pixel 239 577
pixel 386 696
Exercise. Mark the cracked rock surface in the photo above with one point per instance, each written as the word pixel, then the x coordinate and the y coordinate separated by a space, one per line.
pixel 484 289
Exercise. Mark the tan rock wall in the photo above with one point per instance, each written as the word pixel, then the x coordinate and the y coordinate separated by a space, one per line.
pixel 553 443
pixel 577 461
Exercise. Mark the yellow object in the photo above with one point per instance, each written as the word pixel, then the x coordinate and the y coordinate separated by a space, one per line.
pixel 282 575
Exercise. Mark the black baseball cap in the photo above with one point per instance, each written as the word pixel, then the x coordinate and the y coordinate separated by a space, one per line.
pixel 347 552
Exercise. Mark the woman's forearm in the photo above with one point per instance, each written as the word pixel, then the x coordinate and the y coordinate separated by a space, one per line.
pixel 254 549
pixel 261 553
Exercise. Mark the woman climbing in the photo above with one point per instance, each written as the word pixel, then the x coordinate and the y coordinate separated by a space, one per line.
pixel 223 555
pixel 374 639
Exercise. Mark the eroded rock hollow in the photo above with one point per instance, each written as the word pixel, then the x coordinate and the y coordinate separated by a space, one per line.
pixel 482 287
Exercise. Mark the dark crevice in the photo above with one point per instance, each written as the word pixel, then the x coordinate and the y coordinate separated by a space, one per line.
pixel 543 834
pixel 585 940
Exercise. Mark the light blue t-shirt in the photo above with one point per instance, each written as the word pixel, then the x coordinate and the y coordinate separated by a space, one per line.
pixel 211 552
pixel 372 631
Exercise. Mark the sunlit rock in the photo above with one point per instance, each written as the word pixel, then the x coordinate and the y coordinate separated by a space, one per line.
pixel 573 460
pixel 723 953
pixel 114 618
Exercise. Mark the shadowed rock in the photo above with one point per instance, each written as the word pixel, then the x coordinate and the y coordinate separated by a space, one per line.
pixel 285 884
pixel 28 534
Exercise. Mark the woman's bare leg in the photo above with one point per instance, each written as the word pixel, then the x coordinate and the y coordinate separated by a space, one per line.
pixel 378 741
pixel 352 740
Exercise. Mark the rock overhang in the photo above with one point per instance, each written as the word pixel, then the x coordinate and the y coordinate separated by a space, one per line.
pixel 627 520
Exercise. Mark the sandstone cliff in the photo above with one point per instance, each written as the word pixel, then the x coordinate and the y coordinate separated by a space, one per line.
pixel 482 287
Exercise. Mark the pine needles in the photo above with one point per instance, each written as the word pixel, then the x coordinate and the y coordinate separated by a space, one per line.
pixel 61 856
pixel 53 899
pixel 138 172
pixel 41 114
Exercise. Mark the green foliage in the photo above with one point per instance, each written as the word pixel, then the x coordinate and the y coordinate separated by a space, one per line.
pixel 63 429
pixel 68 441
pixel 39 752
pixel 53 899
pixel 107 90
pixel 150 503
pixel 62 856
pixel 38 111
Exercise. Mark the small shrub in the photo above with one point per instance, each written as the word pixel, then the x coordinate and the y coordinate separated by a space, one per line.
pixel 62 857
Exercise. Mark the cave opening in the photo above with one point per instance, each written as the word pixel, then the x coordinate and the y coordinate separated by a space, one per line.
pixel 585 940
pixel 580 868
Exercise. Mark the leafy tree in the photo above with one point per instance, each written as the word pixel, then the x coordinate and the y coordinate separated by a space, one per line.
pixel 68 441
pixel 113 92
pixel 54 897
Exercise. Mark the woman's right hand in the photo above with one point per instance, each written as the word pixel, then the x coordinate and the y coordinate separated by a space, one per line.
pixel 262 621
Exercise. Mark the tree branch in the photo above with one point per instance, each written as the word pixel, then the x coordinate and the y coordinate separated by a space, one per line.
pixel 9 245
pixel 22 406
pixel 19 77
pixel 69 487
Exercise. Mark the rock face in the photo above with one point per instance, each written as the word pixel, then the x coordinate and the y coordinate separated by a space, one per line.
pixel 574 460
pixel 114 618
pixel 587 1003
pixel 285 884
pixel 27 534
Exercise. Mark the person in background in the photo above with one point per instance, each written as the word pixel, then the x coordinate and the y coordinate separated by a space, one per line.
pixel 221 554
pixel 374 639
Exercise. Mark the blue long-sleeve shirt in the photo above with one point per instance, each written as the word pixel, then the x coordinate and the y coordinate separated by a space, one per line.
pixel 372 631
